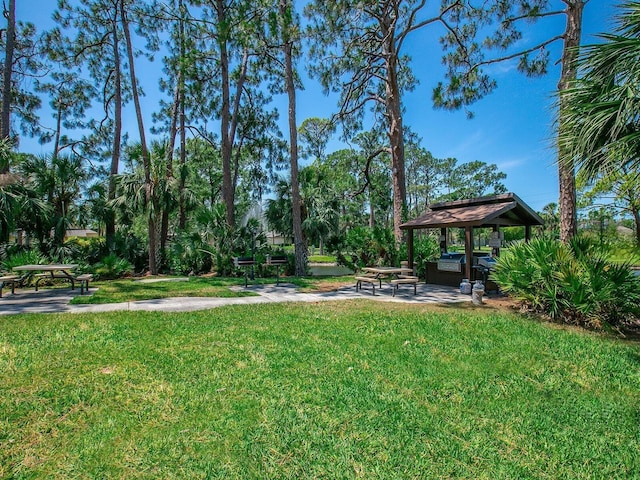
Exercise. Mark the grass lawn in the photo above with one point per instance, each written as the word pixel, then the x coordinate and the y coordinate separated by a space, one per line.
pixel 322 258
pixel 626 255
pixel 335 390
pixel 129 290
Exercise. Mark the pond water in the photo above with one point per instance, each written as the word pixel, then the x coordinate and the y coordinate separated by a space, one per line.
pixel 324 270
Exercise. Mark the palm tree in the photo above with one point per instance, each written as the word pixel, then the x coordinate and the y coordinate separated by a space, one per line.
pixel 58 181
pixel 551 218
pixel 278 213
pixel 148 193
pixel 602 127
pixel 319 205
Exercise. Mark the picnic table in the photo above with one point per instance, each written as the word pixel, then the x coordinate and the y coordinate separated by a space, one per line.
pixel 52 270
pixel 395 275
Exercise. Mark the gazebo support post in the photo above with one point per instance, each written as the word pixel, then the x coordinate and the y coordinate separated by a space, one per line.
pixel 410 248
pixel 468 251
pixel 495 251
pixel 443 240
pixel 527 233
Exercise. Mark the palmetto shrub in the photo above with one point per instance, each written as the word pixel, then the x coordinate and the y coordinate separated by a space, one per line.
pixel 26 257
pixel 112 266
pixel 365 246
pixel 187 255
pixel 572 283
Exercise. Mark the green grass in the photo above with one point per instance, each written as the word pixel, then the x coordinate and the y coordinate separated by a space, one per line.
pixel 129 290
pixel 626 255
pixel 322 258
pixel 341 390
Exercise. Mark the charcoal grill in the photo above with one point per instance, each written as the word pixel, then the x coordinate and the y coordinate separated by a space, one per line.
pixel 451 262
pixel 487 262
pixel 483 268
pixel 277 261
pixel 246 263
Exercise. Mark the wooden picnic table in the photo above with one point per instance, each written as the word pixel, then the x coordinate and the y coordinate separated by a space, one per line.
pixel 396 275
pixel 53 270
pixel 387 272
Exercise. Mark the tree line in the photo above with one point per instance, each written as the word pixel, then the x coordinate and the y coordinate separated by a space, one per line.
pixel 218 147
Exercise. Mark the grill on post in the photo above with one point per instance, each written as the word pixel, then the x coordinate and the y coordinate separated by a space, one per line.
pixel 244 262
pixel 277 261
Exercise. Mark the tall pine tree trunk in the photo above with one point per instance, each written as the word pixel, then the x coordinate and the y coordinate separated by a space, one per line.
pixel 396 133
pixel 566 171
pixel 182 214
pixel 228 196
pixel 171 142
pixel 7 74
pixel 300 247
pixel 110 225
pixel 154 217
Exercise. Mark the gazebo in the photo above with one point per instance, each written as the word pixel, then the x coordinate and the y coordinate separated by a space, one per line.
pixel 483 212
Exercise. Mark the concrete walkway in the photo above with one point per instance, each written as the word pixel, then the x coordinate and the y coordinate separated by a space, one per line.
pixel 57 300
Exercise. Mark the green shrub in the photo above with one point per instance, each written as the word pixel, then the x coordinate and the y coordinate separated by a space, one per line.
pixel 574 283
pixel 426 248
pixel 25 257
pixel 133 249
pixel 92 249
pixel 68 252
pixel 365 246
pixel 112 266
pixel 187 255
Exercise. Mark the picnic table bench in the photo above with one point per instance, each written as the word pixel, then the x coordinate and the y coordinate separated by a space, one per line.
pixel 367 279
pixel 405 279
pixel 84 280
pixel 9 280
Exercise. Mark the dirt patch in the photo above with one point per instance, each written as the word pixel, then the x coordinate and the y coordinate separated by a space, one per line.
pixel 502 302
pixel 329 285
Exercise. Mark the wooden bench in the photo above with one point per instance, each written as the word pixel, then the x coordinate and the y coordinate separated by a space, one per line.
pixel 405 279
pixel 84 280
pixel 9 279
pixel 371 280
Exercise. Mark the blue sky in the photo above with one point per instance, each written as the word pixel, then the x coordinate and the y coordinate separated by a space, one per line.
pixel 512 127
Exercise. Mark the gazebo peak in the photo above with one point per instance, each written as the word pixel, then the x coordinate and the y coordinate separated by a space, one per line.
pixel 484 200
pixel 504 209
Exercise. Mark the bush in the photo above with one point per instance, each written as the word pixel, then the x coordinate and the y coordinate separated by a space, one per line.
pixel 188 255
pixel 426 248
pixel 25 257
pixel 91 250
pixel 365 246
pixel 133 249
pixel 573 283
pixel 112 266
